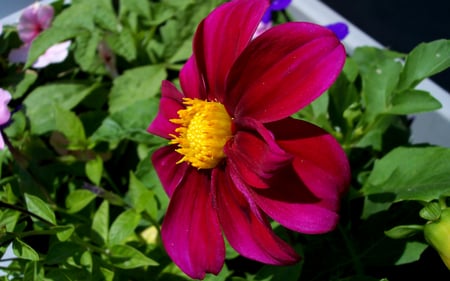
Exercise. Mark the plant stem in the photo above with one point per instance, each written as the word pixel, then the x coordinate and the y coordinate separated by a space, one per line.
pixel 357 265
pixel 24 211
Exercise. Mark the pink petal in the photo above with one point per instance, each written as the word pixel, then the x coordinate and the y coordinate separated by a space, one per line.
pixel 320 161
pixel 255 154
pixel 33 21
pixel 246 233
pixel 290 203
pixel 171 101
pixel 55 54
pixel 5 114
pixel 44 16
pixel 191 232
pixel 283 70
pixel 170 174
pixel 262 27
pixel 2 143
pixel 19 55
pixel 305 197
pixel 221 37
pixel 191 81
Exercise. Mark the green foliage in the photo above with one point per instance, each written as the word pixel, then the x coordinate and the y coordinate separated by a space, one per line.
pixel 80 199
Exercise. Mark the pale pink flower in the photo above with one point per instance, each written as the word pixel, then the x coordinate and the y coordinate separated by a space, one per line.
pixel 35 19
pixel 5 114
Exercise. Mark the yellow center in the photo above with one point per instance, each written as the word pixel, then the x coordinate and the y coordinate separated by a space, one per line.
pixel 205 127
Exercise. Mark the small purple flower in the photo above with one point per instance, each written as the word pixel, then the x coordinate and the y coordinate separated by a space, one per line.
pixel 266 21
pixel 35 19
pixel 340 29
pixel 275 5
pixel 5 114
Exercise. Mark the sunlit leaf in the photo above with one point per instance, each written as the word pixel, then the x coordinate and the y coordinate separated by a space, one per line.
pixel 78 199
pixel 127 257
pixel 424 61
pixel 24 251
pixel 100 223
pixel 38 207
pixel 123 226
pixel 94 170
pixel 410 174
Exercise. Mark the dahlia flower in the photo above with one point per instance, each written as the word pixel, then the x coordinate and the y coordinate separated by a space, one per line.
pixel 235 158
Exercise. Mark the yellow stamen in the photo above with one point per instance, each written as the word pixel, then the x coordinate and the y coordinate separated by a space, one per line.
pixel 205 127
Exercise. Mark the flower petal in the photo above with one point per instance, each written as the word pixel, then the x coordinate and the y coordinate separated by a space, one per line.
pixel 55 54
pixel 254 153
pixel 2 142
pixel 306 196
pixel 44 15
pixel 33 20
pixel 221 37
pixel 171 101
pixel 170 174
pixel 191 232
pixel 320 160
pixel 283 70
pixel 5 114
pixel 278 5
pixel 339 28
pixel 290 203
pixel 20 54
pixel 191 81
pixel 246 233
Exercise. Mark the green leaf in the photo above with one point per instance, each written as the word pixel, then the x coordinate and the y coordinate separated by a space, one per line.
pixel 403 231
pixel 29 77
pixel 64 232
pixel 141 197
pixel 139 7
pixel 417 173
pixel 274 273
pixel 70 125
pixel 431 212
pixel 94 170
pixel 24 251
pixel 424 61
pixel 100 224
pixel 8 219
pixel 46 39
pixel 78 199
pixel 412 252
pixel 129 123
pixel 38 207
pixel 123 226
pixel 137 84
pixel 413 101
pixel 59 252
pixel 87 15
pixel 64 94
pixel 122 43
pixel 147 175
pixel 126 257
pixel 33 271
pixel 379 77
pixel 86 54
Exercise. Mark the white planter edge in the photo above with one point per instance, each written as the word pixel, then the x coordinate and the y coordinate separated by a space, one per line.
pixel 430 127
